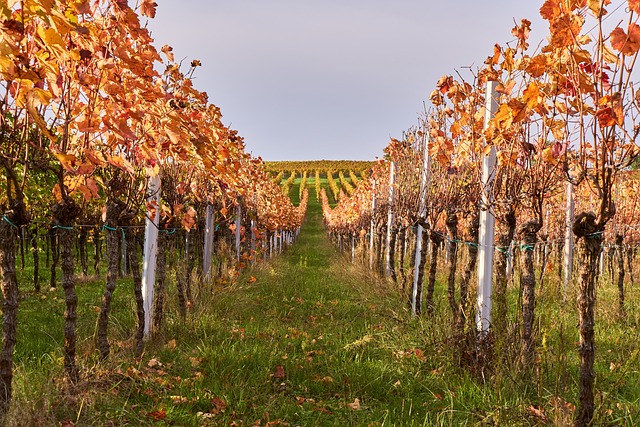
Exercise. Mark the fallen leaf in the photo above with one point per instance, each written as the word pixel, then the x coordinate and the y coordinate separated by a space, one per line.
pixel 219 405
pixel 279 372
pixel 158 415
pixel 537 412
pixel 355 405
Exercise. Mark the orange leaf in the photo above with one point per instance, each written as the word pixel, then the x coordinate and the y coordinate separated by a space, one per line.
pixel 605 117
pixel 158 415
pixel 634 5
pixel 531 95
pixel 148 8
pixel 628 44
pixel 537 412
pixel 550 10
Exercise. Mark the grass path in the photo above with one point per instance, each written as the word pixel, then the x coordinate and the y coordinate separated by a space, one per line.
pixel 313 341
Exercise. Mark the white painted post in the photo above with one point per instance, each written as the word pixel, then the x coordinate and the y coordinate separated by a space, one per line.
pixel 510 260
pixel 238 226
pixel 424 185
pixel 601 272
pixel 372 227
pixel 387 249
pixel 568 238
pixel 124 253
pixel 150 253
pixel 487 223
pixel 253 235
pixel 353 249
pixel 210 219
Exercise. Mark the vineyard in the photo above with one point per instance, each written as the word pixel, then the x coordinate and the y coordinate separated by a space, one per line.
pixel 481 272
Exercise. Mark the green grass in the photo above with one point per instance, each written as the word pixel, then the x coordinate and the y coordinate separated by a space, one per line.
pixel 313 341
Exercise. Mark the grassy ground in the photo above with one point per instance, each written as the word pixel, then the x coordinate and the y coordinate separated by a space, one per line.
pixel 313 341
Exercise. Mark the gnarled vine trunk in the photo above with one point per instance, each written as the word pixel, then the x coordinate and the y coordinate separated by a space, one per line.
pixel 527 235
pixel 134 268
pixel 161 262
pixel 503 242
pixel 55 254
pixel 36 259
pixel 436 241
pixel 620 252
pixel 114 209
pixel 64 214
pixel 11 220
pixel 452 227
pixel 589 236
pixel 392 256
pixel 473 231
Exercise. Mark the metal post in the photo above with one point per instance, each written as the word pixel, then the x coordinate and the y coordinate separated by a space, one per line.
pixel 387 249
pixel 424 185
pixel 150 253
pixel 238 226
pixel 210 218
pixel 568 238
pixel 372 228
pixel 487 223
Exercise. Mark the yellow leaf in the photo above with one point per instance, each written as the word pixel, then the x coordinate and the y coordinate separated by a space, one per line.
pixel 7 67
pixel 52 39
pixel 39 97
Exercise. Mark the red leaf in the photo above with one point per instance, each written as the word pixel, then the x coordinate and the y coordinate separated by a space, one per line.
pixel 279 372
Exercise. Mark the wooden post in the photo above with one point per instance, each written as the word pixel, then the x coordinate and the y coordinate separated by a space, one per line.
pixel 387 249
pixel 150 253
pixel 487 223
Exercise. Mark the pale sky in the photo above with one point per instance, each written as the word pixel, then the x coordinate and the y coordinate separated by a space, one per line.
pixel 331 79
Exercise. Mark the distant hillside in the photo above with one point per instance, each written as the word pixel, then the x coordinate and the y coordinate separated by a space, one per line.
pixel 321 165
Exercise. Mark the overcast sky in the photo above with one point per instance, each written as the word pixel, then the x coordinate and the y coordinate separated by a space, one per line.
pixel 331 79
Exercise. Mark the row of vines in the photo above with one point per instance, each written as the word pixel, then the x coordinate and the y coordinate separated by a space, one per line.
pixel 533 154
pixel 98 145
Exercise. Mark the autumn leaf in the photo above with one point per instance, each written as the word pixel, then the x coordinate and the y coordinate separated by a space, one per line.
pixel 531 95
pixel 537 412
pixel 158 415
pixel 506 88
pixel 148 8
pixel 219 405
pixel 419 354
pixel 188 219
pixel 597 7
pixel 538 65
pixel 522 33
pixel 634 5
pixel 355 405
pixel 279 372
pixel 628 44
pixel 550 10
pixel 168 51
